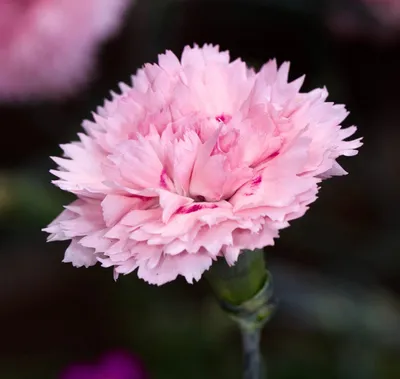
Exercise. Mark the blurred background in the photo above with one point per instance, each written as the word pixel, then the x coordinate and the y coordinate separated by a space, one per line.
pixel 336 270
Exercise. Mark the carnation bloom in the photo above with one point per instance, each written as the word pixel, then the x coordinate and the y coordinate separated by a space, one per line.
pixel 116 365
pixel 47 47
pixel 199 159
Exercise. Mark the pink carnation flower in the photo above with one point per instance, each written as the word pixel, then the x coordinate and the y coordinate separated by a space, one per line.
pixel 201 158
pixel 47 47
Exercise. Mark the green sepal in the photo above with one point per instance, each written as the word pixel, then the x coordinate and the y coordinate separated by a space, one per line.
pixel 244 290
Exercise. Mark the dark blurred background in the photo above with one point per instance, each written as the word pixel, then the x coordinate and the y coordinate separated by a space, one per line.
pixel 336 270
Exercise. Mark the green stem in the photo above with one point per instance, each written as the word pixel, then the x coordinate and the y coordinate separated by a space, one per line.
pixel 244 292
pixel 253 363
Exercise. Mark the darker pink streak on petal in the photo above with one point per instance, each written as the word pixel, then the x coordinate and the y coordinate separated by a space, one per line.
pixel 195 208
pixel 223 118
pixel 256 181
pixel 163 183
pixel 192 208
pixel 253 185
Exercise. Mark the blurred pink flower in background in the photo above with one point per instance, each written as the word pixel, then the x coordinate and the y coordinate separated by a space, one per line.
pixel 348 23
pixel 388 11
pixel 202 158
pixel 48 47
pixel 116 365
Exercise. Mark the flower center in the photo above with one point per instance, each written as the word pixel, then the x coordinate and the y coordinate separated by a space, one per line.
pixel 224 118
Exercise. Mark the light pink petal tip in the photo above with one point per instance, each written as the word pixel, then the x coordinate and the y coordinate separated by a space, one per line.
pixel 200 159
